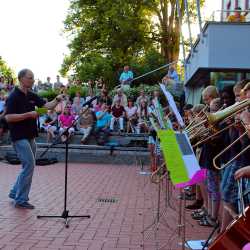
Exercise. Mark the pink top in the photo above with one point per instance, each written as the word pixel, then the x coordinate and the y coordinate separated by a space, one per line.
pixel 66 120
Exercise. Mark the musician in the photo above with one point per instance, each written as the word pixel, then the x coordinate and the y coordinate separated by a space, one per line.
pixel 246 90
pixel 21 117
pixel 208 94
pixel 239 90
pixel 229 189
pixel 213 179
pixel 245 157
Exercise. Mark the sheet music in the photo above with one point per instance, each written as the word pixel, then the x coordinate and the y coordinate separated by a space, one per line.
pixel 172 105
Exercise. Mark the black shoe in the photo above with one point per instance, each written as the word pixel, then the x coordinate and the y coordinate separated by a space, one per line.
pixel 187 196
pixel 196 205
pixel 11 196
pixel 25 205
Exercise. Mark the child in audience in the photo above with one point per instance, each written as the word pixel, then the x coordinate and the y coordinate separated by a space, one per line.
pixel 66 119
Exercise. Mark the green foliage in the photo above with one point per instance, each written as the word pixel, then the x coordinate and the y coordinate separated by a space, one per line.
pixel 5 70
pixel 48 94
pixel 105 35
pixel 72 91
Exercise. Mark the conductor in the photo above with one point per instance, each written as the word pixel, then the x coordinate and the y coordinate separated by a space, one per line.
pixel 21 118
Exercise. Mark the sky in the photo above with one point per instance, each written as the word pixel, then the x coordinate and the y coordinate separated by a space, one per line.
pixel 32 37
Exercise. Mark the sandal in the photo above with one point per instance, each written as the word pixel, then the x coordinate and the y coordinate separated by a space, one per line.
pixel 198 211
pixel 199 216
pixel 206 222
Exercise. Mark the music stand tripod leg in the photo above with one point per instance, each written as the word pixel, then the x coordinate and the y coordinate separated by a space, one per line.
pixel 65 214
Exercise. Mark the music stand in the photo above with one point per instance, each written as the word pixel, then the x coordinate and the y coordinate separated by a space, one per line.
pixel 65 214
pixel 159 214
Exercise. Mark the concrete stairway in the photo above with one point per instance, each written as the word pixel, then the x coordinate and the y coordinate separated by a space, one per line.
pixel 121 149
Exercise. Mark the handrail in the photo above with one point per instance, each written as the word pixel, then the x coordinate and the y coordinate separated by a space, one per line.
pixel 148 73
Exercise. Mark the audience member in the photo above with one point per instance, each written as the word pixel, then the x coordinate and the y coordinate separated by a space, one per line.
pixel 142 97
pixel 58 84
pixel 2 83
pixel 131 116
pixel 236 17
pixel 143 116
pixel 66 119
pixel 120 96
pixel 76 106
pixel 126 77
pixel 50 124
pixel 2 102
pixel 118 114
pixel 105 98
pixel 86 123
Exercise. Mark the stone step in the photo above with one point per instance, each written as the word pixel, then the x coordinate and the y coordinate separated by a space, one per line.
pixel 90 153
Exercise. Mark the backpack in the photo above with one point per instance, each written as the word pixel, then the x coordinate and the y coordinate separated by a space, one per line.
pixel 13 159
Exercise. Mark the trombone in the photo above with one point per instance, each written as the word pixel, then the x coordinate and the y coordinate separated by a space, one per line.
pixel 227 148
pixel 206 127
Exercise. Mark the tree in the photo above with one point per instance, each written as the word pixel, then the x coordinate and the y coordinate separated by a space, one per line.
pixel 166 31
pixel 113 29
pixel 119 32
pixel 5 70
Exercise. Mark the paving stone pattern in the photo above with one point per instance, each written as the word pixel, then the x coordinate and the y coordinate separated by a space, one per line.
pixel 113 225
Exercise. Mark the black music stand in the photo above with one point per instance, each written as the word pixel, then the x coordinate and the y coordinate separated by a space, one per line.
pixel 65 214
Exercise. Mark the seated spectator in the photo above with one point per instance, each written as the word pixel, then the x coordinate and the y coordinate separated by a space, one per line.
pixel 78 96
pixel 131 116
pixel 91 95
pixel 143 116
pixel 10 84
pixel 118 114
pixel 76 106
pixel 121 97
pixel 141 97
pixel 103 118
pixel 61 105
pixel 2 102
pixel 105 98
pixel 2 83
pixel 91 84
pixel 50 124
pixel 126 78
pixel 66 119
pixel 237 17
pixel 100 84
pixel 86 122
pixel 102 125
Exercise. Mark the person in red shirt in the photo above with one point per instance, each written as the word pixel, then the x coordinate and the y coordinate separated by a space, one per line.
pixel 118 113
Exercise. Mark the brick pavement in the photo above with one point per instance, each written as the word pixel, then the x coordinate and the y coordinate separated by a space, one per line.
pixel 115 225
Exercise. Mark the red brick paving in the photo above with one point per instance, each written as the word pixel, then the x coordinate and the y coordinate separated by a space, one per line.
pixel 112 226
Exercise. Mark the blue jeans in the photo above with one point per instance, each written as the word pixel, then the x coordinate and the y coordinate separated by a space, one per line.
pixel 26 150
